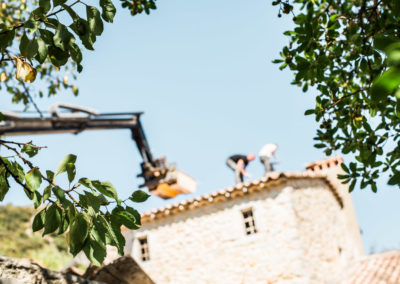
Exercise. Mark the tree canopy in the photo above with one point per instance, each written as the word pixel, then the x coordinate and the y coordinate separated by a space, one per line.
pixel 348 52
pixel 37 47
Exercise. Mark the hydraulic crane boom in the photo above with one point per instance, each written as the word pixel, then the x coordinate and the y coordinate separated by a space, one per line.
pixel 155 172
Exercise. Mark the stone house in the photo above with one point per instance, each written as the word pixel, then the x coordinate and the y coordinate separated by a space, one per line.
pixel 283 228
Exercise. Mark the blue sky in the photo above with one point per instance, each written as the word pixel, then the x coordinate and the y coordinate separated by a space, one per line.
pixel 202 73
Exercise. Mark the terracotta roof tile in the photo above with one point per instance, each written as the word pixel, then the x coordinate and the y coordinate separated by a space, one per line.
pixel 381 268
pixel 233 192
pixel 324 164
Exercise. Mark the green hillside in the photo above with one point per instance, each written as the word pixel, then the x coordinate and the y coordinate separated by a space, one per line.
pixel 17 239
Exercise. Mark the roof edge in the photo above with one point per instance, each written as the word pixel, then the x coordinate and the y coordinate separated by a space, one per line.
pixel 241 189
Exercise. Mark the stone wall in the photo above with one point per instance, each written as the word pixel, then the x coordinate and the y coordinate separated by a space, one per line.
pixel 322 228
pixel 300 228
pixel 18 271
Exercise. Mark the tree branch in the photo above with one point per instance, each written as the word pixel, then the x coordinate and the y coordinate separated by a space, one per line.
pixel 31 99
pixel 30 165
pixel 38 20
pixel 22 144
pixel 14 176
pixel 26 162
pixel 339 100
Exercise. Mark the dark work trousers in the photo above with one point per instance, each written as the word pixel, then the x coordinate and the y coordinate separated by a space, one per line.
pixel 267 164
pixel 238 175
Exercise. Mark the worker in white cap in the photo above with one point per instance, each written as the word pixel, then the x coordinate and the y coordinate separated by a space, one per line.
pixel 266 153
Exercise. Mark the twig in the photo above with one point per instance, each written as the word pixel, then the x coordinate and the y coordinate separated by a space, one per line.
pixel 31 99
pixel 66 191
pixel 22 144
pixel 39 20
pixel 339 100
pixel 15 177
pixel 30 165
pixel 26 162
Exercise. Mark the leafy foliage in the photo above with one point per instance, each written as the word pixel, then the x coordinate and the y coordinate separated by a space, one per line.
pixel 81 209
pixel 34 42
pixel 38 43
pixel 339 47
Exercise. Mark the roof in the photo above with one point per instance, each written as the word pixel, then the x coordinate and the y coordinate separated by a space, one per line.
pixel 376 268
pixel 242 189
pixel 324 164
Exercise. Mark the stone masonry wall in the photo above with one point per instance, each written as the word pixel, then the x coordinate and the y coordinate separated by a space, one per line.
pixel 322 230
pixel 297 239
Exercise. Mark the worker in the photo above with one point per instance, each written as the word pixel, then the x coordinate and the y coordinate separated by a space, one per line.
pixel 266 153
pixel 238 164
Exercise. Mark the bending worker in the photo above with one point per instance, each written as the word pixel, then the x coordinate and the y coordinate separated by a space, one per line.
pixel 266 152
pixel 238 164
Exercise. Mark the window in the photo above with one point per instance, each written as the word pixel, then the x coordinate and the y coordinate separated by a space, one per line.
pixel 144 249
pixel 250 226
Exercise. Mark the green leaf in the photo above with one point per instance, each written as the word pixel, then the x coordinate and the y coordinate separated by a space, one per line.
pixel 51 23
pixel 71 12
pixel 6 39
pixel 71 171
pixel 373 187
pixel 62 37
pixel 382 42
pixel 81 28
pixel 33 179
pixel 135 213
pixel 37 199
pixel 46 193
pixel 45 5
pixel 59 193
pixel 114 233
pixel 94 20
pixel 93 201
pixel 23 45
pixel 79 231
pixel 95 251
pixel 57 56
pixel 42 50
pixel 86 182
pixel 395 179
pixel 4 187
pixel 75 52
pixel 63 224
pixel 108 10
pixel 29 150
pixel 47 36
pixel 62 166
pixel 309 112
pixel 345 168
pixel 18 170
pixel 58 2
pixel 105 188
pixel 52 219
pixel 39 12
pixel 31 24
pixel 102 199
pixel 38 221
pixel 28 48
pixel 139 196
pixel 319 145
pixel 352 185
pixel 50 175
pixel 385 84
pixel 127 219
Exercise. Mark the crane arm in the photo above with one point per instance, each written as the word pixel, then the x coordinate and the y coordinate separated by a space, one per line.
pixel 78 119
